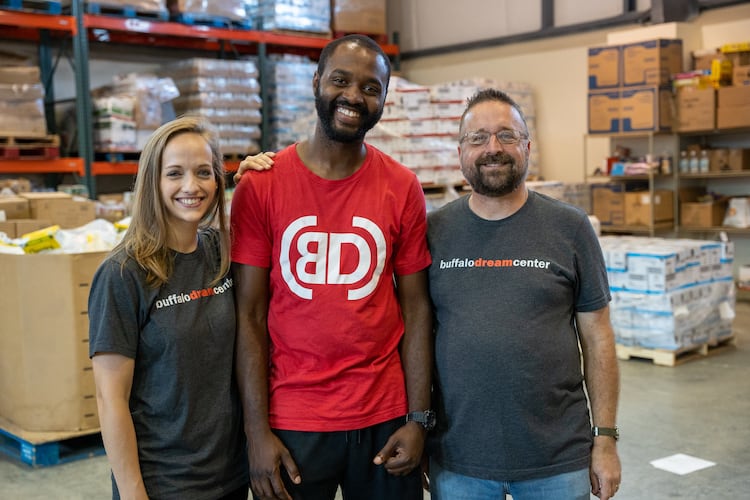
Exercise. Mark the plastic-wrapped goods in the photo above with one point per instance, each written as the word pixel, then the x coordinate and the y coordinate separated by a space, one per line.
pixel 21 101
pixel 228 9
pixel 295 15
pixel 669 293
pixel 215 68
pixel 227 93
pixel 129 110
pixel 114 124
pixel 419 127
pixel 738 213
pixel 22 117
pixel 137 5
pixel 292 106
pixel 150 93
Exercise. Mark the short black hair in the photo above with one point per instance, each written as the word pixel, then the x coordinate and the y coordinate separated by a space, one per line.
pixel 361 40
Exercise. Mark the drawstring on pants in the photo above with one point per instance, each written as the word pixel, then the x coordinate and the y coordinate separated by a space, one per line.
pixel 358 433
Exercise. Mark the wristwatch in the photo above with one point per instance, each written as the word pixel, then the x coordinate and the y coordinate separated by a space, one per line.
pixel 606 431
pixel 425 418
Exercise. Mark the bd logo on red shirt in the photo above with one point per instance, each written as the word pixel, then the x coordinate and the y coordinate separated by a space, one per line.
pixel 318 257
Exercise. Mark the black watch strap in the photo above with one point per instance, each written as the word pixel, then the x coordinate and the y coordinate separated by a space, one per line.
pixel 425 418
pixel 606 431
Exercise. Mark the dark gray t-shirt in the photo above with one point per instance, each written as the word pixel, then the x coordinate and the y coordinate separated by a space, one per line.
pixel 509 385
pixel 184 400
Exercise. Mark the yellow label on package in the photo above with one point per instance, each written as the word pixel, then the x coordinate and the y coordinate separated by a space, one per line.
pixel 728 48
pixel 41 239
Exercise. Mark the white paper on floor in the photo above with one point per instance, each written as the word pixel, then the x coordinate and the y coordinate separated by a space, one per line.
pixel 681 464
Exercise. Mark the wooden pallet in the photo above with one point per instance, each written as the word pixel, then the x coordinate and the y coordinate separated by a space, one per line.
pixel 665 357
pixel 29 148
pixel 42 449
pixel 32 6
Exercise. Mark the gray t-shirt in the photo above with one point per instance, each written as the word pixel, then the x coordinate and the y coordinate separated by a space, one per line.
pixel 509 386
pixel 184 400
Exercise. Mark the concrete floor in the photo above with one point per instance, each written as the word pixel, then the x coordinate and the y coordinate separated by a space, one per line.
pixel 700 408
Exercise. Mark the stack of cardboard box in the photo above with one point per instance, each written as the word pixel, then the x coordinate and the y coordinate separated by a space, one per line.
pixel 614 205
pixel 629 86
pixel 733 103
pixel 28 212
pixel 716 94
pixel 46 382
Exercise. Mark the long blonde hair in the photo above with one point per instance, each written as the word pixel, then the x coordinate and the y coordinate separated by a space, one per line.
pixel 146 239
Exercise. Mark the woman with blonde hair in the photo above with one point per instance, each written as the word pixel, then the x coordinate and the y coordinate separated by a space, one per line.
pixel 162 329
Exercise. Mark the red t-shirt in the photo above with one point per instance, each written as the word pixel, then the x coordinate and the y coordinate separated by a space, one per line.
pixel 334 320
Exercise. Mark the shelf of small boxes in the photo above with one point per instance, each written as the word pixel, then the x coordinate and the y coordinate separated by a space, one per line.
pixel 670 297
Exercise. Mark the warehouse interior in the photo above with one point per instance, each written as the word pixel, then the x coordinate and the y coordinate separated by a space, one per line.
pixel 683 402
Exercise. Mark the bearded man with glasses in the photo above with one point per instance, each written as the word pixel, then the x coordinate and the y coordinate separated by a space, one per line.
pixel 512 389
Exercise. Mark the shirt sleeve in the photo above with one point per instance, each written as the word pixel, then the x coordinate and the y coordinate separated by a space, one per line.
pixel 411 254
pixel 251 241
pixel 593 292
pixel 116 310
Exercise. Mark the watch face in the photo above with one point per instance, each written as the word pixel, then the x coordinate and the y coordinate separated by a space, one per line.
pixel 430 420
pixel 425 418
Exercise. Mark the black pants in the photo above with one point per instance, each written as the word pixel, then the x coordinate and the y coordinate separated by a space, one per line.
pixel 327 460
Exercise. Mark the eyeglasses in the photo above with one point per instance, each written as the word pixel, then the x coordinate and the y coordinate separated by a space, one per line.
pixel 506 136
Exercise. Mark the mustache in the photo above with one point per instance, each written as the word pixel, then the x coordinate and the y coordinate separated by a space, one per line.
pixel 495 158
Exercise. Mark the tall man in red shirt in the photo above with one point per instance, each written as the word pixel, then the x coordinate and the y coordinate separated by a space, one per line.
pixel 334 349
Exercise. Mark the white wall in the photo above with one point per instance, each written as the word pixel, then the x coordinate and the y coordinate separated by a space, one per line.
pixel 557 69
pixel 434 23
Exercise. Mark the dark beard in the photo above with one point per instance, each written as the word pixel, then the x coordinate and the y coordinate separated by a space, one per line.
pixel 326 110
pixel 494 185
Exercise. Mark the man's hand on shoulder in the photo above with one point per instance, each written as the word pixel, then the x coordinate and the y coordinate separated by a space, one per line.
pixel 261 161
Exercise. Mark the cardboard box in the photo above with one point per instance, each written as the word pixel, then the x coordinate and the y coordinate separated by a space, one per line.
pixel 696 109
pixel 703 59
pixel 739 159
pixel 646 109
pixel 607 203
pixel 604 112
pixel 638 206
pixel 19 75
pixel 604 67
pixel 14 228
pixel 651 62
pixel 733 117
pixel 741 75
pixel 696 213
pixel 359 16
pixel 702 214
pixel 15 207
pixel 732 96
pixel 60 208
pixel 46 380
pixel 733 159
pixel 719 160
